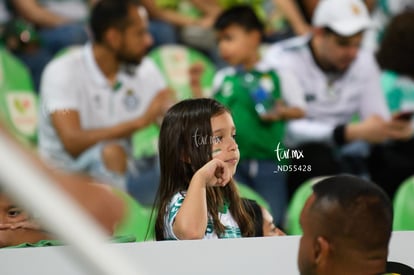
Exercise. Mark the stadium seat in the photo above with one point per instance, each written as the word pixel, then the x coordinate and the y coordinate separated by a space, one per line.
pixel 175 61
pixel 248 193
pixel 18 101
pixel 404 206
pixel 137 221
pixel 302 193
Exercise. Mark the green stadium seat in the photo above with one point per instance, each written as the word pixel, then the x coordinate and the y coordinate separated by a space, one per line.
pixel 296 204
pixel 174 61
pixel 18 101
pixel 404 206
pixel 248 193
pixel 137 221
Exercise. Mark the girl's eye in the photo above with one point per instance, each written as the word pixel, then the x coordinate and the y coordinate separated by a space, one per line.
pixel 234 136
pixel 217 139
pixel 14 212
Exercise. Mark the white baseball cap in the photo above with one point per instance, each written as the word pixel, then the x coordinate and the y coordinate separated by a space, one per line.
pixel 345 17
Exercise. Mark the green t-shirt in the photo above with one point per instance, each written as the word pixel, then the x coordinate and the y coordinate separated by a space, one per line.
pixel 257 139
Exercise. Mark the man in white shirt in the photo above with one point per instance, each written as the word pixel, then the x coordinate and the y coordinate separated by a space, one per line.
pixel 340 80
pixel 94 97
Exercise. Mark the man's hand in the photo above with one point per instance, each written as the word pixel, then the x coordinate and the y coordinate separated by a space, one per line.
pixel 159 106
pixel 376 130
pixel 400 129
pixel 196 72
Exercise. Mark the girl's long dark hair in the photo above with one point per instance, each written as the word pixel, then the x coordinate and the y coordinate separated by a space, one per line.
pixel 184 147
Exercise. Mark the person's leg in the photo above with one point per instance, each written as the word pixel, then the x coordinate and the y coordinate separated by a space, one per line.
pixel 353 159
pixel 392 163
pixel 58 38
pixel 115 158
pixel 163 33
pixel 143 179
pixel 35 60
pixel 272 187
pixel 93 162
pixel 319 157
pixel 261 176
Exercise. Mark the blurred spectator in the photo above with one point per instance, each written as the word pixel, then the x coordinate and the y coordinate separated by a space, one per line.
pixel 393 162
pixel 59 23
pixel 171 19
pixel 4 13
pixel 41 28
pixel 100 202
pixel 93 98
pixel 340 81
pixel 299 13
pixel 382 14
pixel 261 101
pixel 263 220
pixel 184 22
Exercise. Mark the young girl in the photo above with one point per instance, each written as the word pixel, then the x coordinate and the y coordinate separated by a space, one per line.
pixel 197 197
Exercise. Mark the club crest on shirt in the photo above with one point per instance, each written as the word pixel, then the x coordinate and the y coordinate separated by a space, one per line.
pixel 227 89
pixel 131 100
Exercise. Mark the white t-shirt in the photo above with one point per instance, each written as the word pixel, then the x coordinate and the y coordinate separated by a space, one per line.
pixel 232 229
pixel 330 101
pixel 74 81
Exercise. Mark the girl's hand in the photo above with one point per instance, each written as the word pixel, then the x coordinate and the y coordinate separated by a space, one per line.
pixel 215 173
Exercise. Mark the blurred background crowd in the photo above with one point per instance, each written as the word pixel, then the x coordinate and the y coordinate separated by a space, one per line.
pixel 68 85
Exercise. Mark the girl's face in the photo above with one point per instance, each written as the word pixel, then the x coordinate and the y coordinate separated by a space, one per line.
pixel 16 226
pixel 224 145
pixel 10 213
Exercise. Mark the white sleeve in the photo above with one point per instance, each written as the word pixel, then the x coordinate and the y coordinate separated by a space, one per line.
pixel 373 100
pixel 219 78
pixel 171 213
pixel 58 87
pixel 270 57
pixel 292 92
pixel 153 74
pixel 300 131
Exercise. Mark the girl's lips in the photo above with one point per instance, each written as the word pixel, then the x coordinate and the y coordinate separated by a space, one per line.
pixel 232 161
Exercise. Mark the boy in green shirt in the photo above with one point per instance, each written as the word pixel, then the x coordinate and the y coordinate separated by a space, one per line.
pixel 260 99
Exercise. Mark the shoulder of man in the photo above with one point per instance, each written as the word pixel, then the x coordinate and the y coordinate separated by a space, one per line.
pixel 291 44
pixel 62 59
pixel 147 65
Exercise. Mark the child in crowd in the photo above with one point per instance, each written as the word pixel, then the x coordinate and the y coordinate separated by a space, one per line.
pixel 197 197
pixel 261 101
pixel 393 162
pixel 263 222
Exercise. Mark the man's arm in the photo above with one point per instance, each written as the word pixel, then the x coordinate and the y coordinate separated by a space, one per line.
pixel 76 140
pixel 169 15
pixel 36 14
pixel 293 15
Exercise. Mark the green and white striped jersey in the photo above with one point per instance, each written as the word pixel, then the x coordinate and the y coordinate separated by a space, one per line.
pixel 232 228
